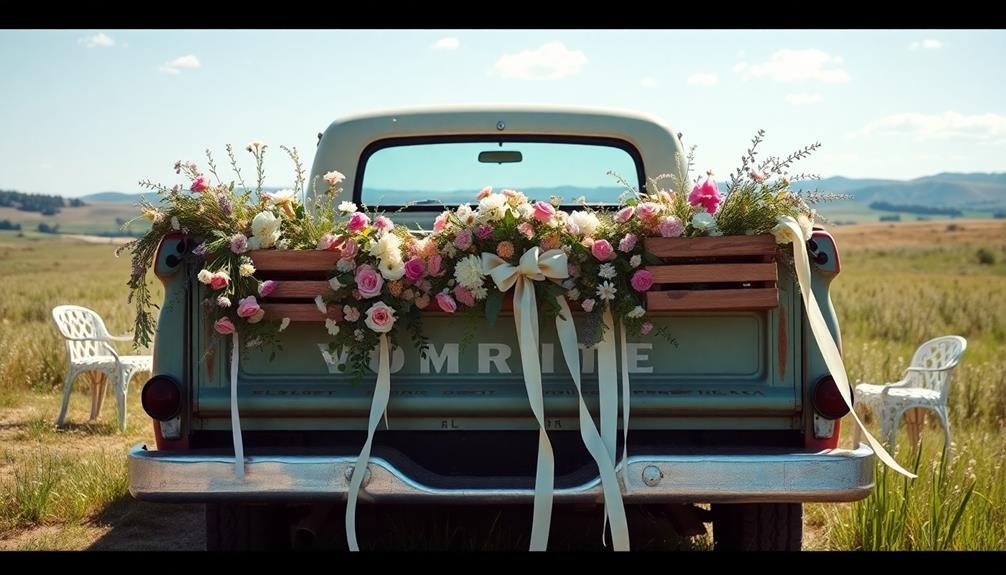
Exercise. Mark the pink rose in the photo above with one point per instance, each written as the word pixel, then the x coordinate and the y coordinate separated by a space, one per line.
pixel 588 305
pixel 526 229
pixel 441 222
pixel 415 269
pixel 224 326
pixel 512 194
pixel 368 281
pixel 646 328
pixel 572 228
pixel 626 244
pixel 380 317
pixel 383 223
pixel 543 211
pixel 484 193
pixel 349 249
pixel 648 211
pixel 267 287
pixel 200 183
pixel 463 240
pixel 435 265
pixel 602 250
pixel 464 296
pixel 248 307
pixel 220 280
pixel 624 214
pixel 706 195
pixel 484 231
pixel 446 302
pixel 642 280
pixel 671 227
pixel 358 222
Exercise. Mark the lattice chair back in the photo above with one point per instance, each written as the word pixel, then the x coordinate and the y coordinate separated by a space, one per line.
pixel 79 323
pixel 942 354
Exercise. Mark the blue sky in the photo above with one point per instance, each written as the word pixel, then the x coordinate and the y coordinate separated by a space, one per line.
pixel 85 111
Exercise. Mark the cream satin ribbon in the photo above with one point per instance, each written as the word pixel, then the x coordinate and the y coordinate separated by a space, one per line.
pixel 614 508
pixel 792 232
pixel 532 267
pixel 382 391
pixel 239 449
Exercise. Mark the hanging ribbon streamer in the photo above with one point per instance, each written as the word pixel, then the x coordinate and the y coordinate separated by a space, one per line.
pixel 614 508
pixel 532 268
pixel 382 391
pixel 623 349
pixel 607 392
pixel 239 449
pixel 791 231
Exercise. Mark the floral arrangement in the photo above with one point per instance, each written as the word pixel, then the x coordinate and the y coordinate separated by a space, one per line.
pixel 386 274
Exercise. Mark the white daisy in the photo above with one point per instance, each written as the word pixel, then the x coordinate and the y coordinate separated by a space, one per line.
pixel 606 291
pixel 607 271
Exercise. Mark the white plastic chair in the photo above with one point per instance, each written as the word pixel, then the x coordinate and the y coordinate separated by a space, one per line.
pixel 89 350
pixel 925 385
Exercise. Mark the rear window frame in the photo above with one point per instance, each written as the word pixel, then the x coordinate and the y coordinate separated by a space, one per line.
pixel 399 141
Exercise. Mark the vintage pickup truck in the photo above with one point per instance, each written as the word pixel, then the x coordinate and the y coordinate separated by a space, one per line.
pixel 739 413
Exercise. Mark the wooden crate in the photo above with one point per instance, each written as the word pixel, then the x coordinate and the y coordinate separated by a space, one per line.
pixel 300 276
pixel 726 273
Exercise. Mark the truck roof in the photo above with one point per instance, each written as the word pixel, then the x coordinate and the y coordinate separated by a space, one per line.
pixel 345 140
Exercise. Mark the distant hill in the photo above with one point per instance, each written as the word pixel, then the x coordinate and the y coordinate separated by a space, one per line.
pixel 983 192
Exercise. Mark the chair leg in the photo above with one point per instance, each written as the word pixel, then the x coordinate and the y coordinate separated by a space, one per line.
pixel 120 397
pixel 98 379
pixel 71 375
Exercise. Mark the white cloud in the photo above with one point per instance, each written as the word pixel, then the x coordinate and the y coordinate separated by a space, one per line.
pixel 99 40
pixel 804 99
pixel 552 60
pixel 188 61
pixel 989 128
pixel 705 79
pixel 648 82
pixel 446 43
pixel 927 44
pixel 798 66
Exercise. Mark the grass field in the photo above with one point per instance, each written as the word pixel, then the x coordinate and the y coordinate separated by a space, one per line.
pixel 900 285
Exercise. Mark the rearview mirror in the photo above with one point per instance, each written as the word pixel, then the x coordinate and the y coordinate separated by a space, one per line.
pixel 500 157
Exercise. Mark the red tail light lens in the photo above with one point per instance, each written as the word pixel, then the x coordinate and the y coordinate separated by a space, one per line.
pixel 161 397
pixel 827 400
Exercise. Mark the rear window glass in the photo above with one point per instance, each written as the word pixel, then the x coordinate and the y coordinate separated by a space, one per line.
pixel 451 173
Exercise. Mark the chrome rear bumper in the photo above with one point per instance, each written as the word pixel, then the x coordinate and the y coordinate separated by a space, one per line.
pixel 773 476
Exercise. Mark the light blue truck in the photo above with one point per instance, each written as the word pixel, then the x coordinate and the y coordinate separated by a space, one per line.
pixel 739 413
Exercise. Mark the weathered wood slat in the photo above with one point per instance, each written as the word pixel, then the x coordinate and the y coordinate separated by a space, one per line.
pixel 300 312
pixel 713 300
pixel 288 289
pixel 294 261
pixel 695 273
pixel 763 245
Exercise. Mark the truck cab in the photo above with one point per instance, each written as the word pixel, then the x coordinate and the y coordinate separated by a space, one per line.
pixel 738 411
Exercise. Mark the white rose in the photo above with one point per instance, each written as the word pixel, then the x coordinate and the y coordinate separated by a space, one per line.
pixel 493 207
pixel 392 268
pixel 282 197
pixel 388 246
pixel 586 221
pixel 205 276
pixel 265 227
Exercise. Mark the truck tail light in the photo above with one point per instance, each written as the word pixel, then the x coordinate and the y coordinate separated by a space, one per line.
pixel 161 397
pixel 828 402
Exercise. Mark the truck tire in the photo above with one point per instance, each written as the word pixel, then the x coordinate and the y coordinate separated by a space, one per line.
pixel 243 527
pixel 758 527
